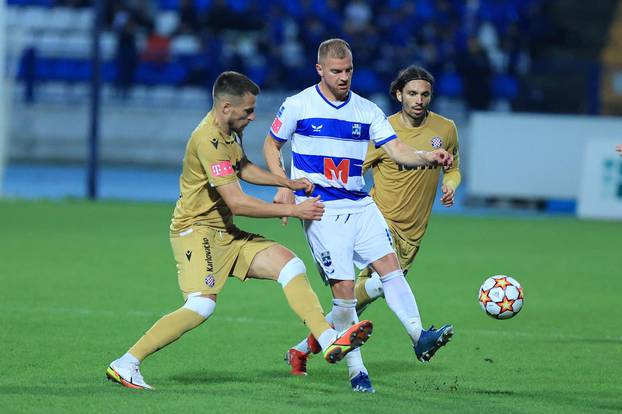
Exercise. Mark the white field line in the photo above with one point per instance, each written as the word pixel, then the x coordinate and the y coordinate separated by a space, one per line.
pixel 58 310
pixel 258 320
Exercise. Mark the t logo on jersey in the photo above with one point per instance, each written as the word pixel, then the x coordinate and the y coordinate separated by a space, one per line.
pixel 221 169
pixel 336 172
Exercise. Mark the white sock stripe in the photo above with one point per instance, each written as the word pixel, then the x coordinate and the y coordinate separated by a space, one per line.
pixel 291 269
pixel 345 303
pixel 392 275
pixel 201 305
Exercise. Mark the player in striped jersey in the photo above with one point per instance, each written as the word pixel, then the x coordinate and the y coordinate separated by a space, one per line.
pixel 404 195
pixel 330 128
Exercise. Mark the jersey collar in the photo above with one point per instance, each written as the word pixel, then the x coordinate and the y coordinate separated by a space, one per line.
pixel 317 88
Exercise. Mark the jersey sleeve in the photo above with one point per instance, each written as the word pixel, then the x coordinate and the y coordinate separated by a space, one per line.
pixel 217 162
pixel 380 131
pixel 453 176
pixel 373 157
pixel 285 121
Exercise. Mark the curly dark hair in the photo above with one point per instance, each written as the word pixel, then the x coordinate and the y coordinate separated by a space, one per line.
pixel 406 75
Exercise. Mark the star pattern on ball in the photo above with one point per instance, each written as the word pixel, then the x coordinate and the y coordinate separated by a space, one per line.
pixel 502 282
pixel 483 297
pixel 506 305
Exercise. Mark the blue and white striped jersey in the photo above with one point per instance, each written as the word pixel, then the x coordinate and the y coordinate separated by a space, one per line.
pixel 329 144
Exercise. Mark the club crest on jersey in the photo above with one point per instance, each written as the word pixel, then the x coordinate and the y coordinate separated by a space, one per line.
pixel 327 262
pixel 356 130
pixel 436 142
pixel 210 281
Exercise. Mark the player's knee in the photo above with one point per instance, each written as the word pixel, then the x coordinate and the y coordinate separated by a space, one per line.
pixel 386 263
pixel 201 305
pixel 343 289
pixel 291 269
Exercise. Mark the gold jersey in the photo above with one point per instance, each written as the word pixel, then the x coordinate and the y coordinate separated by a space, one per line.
pixel 212 158
pixel 405 195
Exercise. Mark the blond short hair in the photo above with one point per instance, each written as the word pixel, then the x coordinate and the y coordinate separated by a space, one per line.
pixel 333 48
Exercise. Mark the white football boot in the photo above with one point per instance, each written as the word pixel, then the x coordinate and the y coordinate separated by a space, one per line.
pixel 126 374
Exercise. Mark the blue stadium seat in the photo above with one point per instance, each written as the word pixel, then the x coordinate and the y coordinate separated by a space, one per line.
pixel 202 5
pixel 160 74
pixel 168 4
pixel 44 69
pixel 46 3
pixel 258 74
pixel 238 5
pixel 449 84
pixel 109 71
pixel 505 86
pixel 426 10
pixel 366 81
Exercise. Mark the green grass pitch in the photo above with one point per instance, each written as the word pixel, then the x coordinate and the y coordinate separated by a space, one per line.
pixel 81 281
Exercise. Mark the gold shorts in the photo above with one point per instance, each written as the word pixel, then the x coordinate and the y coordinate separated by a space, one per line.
pixel 206 257
pixel 405 249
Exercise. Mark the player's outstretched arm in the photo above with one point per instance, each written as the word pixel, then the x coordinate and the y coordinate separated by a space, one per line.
pixel 242 204
pixel 253 174
pixel 408 156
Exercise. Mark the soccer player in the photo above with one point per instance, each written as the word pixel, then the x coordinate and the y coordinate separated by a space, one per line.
pixel 330 128
pixel 404 195
pixel 207 246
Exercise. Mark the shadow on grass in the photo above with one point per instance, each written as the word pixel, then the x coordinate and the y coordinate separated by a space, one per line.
pixel 214 376
pixel 208 376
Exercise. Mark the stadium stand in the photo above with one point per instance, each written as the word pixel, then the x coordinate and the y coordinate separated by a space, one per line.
pixel 185 43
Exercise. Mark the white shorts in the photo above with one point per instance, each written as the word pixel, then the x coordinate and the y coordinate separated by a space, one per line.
pixel 338 242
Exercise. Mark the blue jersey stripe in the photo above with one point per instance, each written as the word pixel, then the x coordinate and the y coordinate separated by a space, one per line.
pixel 315 164
pixel 277 138
pixel 333 128
pixel 333 193
pixel 385 140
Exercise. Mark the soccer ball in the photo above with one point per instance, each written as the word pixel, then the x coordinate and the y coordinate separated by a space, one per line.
pixel 501 297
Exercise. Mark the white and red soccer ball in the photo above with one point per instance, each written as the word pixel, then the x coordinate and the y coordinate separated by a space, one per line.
pixel 501 296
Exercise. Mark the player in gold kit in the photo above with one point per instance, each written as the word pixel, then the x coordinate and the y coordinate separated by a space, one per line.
pixel 404 195
pixel 207 246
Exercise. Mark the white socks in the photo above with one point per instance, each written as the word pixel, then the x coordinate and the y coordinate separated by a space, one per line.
pixel 325 339
pixel 402 302
pixel 344 316
pixel 128 358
